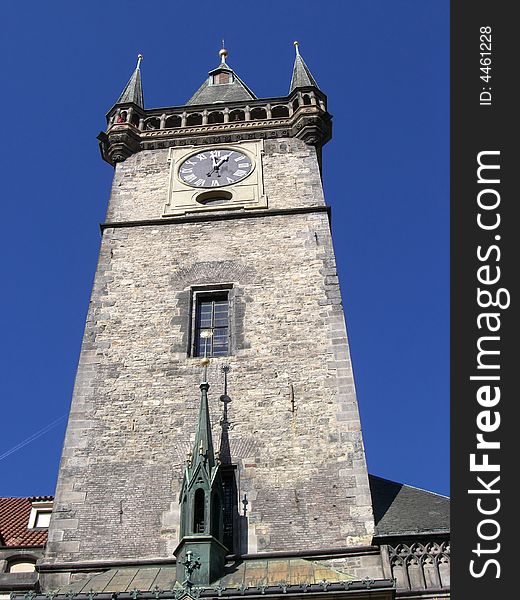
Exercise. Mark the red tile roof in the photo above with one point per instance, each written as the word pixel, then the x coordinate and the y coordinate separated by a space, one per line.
pixel 14 519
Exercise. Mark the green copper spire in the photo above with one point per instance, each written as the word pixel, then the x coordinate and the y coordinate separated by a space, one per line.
pixel 302 76
pixel 202 501
pixel 133 91
pixel 203 452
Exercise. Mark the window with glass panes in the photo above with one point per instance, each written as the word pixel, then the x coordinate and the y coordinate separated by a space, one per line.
pixel 212 325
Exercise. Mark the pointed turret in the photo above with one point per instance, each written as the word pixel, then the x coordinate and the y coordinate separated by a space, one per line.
pixel 302 76
pixel 222 85
pixel 133 91
pixel 203 452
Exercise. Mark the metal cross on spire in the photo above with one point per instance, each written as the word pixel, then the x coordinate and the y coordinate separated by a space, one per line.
pixel 223 52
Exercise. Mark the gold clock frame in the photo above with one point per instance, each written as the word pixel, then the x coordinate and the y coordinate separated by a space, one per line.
pixel 248 193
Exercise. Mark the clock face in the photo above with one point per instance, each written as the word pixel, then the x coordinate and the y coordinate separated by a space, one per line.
pixel 215 168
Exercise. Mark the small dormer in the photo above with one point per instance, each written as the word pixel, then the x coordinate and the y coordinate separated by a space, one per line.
pixel 222 85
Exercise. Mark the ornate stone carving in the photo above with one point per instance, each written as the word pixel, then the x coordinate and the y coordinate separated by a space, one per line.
pixel 119 143
pixel 312 124
pixel 421 565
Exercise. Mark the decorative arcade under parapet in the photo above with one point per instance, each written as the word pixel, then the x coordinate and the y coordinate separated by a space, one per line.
pixel 223 107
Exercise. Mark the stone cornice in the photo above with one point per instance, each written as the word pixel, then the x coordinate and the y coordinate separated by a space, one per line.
pixel 212 216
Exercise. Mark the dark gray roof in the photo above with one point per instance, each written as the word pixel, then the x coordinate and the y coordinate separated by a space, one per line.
pixel 209 93
pixel 402 509
pixel 133 91
pixel 302 76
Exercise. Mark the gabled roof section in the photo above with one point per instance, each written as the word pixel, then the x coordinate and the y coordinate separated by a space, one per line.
pixel 133 91
pixel 211 92
pixel 405 510
pixel 302 76
pixel 14 521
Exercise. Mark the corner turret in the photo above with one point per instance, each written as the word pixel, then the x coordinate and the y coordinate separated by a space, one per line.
pixel 302 76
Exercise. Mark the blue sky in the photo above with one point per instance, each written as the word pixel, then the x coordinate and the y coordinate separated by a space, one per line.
pixel 384 66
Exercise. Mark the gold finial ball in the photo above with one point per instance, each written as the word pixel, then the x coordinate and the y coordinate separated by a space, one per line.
pixel 223 53
pixel 205 362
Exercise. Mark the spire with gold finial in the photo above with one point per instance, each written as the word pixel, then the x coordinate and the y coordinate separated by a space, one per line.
pixel 133 91
pixel 302 76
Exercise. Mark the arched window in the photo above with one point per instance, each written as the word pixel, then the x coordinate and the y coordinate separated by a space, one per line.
pixel 237 115
pixel 135 119
pixel 295 104
pixel 306 100
pixel 280 112
pixel 199 511
pixel 152 123
pixel 173 121
pixel 216 117
pixel 194 119
pixel 21 565
pixel 258 113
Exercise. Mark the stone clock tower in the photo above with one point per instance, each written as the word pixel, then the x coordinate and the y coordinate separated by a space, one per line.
pixel 216 246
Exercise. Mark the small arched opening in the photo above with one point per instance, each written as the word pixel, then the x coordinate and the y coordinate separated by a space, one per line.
pixel 194 119
pixel 173 121
pixel 215 117
pixel 121 117
pixel 258 113
pixel 199 511
pixel 279 112
pixel 237 115
pixel 306 100
pixel 152 123
pixel 295 104
pixel 20 564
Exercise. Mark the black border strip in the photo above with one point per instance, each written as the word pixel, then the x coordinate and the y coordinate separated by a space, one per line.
pixel 484 122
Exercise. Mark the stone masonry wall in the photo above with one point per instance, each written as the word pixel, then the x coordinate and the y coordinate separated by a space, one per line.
pixel 295 431
pixel 140 186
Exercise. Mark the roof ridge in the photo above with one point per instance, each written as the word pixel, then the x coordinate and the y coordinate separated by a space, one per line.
pixel 414 487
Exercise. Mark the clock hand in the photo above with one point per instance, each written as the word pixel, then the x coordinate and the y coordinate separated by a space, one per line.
pixel 222 161
pixel 217 165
